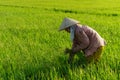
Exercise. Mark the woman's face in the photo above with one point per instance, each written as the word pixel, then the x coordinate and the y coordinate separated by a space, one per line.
pixel 67 29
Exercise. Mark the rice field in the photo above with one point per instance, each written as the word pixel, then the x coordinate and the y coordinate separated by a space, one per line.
pixel 32 48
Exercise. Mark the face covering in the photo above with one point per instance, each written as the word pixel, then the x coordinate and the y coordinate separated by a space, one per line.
pixel 72 30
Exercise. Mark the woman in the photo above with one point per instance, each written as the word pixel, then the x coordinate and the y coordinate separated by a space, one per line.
pixel 84 38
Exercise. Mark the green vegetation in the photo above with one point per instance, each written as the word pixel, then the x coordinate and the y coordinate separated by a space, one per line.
pixel 31 48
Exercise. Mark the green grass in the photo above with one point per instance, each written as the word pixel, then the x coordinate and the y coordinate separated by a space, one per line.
pixel 31 48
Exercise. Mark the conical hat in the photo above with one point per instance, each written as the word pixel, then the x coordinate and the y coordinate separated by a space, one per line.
pixel 67 22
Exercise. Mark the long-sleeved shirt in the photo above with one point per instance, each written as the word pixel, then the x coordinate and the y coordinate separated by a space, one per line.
pixel 87 40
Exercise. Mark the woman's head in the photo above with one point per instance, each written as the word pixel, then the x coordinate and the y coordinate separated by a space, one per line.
pixel 67 29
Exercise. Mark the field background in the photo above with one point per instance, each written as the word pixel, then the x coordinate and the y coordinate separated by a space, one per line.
pixel 31 48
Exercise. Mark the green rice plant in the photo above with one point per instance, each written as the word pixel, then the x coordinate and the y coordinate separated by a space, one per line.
pixel 32 48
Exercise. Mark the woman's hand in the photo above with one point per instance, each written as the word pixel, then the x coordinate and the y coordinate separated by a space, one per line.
pixel 67 50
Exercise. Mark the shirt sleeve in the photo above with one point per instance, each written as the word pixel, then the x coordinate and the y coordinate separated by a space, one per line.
pixel 81 41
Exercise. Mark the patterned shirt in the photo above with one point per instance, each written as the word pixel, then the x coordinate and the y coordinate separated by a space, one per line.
pixel 87 40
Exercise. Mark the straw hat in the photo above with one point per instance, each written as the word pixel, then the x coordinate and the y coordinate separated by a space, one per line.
pixel 67 22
